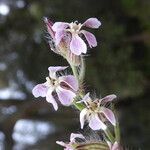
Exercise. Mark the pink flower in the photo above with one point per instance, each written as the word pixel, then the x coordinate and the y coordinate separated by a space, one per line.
pixel 114 146
pixel 77 45
pixel 63 48
pixel 95 111
pixel 72 144
pixel 63 87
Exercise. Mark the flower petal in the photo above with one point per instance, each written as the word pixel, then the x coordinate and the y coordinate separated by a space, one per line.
pixel 53 70
pixel 95 123
pixel 62 143
pixel 83 114
pixel 109 115
pixel 65 96
pixel 108 98
pixel 60 26
pixel 90 38
pixel 73 136
pixel 50 99
pixel 115 146
pixel 85 98
pixel 71 81
pixel 40 90
pixel 92 23
pixel 77 45
pixel 59 35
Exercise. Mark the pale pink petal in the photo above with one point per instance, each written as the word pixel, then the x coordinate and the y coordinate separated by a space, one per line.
pixel 58 36
pixel 108 98
pixel 73 136
pixel 59 26
pixel 85 98
pixel 62 143
pixel 83 115
pixel 40 90
pixel 92 23
pixel 77 45
pixel 70 80
pixel 50 99
pixel 90 38
pixel 95 123
pixel 65 96
pixel 115 146
pixel 109 115
pixel 53 70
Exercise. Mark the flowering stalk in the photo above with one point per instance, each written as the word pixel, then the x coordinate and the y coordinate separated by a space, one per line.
pixel 65 39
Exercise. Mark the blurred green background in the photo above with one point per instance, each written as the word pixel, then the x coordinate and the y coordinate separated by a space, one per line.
pixel 120 64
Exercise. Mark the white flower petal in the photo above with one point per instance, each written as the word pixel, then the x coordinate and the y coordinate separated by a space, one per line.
pixel 50 99
pixel 53 70
pixel 83 115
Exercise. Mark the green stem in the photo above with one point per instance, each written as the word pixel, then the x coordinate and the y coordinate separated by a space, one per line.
pixel 117 132
pixel 75 72
pixel 82 70
pixel 79 106
pixel 109 135
pixel 116 128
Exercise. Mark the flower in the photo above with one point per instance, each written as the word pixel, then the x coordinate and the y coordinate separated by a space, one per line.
pixel 63 87
pixel 72 144
pixel 77 45
pixel 63 47
pixel 95 112
pixel 114 146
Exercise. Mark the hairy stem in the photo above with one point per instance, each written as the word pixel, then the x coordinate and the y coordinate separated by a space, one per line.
pixel 82 69
pixel 117 132
pixel 109 135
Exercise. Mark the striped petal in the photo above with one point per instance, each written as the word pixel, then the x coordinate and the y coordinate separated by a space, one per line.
pixel 109 115
pixel 95 123
pixel 90 38
pixel 71 81
pixel 65 96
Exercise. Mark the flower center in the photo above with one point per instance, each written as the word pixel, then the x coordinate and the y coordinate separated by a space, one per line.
pixel 93 106
pixel 74 27
pixel 52 82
